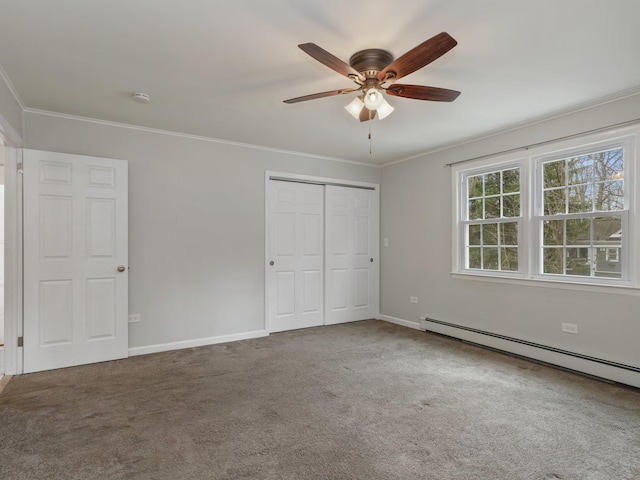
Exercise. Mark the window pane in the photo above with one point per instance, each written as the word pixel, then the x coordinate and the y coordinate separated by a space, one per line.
pixel 609 196
pixel 511 205
pixel 554 174
pixel 474 186
pixel 553 232
pixel 509 233
pixel 554 202
pixel 511 180
pixel 474 234
pixel 475 209
pixel 578 231
pixel 578 261
pixel 492 183
pixel 490 258
pixel 608 262
pixel 552 261
pixel 509 259
pixel 580 169
pixel 607 231
pixel 475 260
pixel 492 207
pixel 490 234
pixel 609 165
pixel 580 199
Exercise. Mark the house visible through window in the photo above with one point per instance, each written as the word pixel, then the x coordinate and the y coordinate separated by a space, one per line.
pixel 553 215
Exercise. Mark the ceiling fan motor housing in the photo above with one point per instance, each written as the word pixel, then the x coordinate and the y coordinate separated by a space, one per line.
pixel 371 61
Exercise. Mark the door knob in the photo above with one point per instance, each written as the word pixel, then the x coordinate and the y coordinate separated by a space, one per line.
pixel 371 260
pixel 272 263
pixel 121 268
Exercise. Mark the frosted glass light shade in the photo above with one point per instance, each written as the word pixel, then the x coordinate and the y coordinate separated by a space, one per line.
pixel 355 107
pixel 384 110
pixel 373 99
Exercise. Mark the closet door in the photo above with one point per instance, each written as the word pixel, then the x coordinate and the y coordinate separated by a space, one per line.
pixel 296 255
pixel 351 255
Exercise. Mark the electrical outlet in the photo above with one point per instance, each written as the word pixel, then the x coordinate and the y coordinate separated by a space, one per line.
pixel 570 327
pixel 413 299
pixel 134 318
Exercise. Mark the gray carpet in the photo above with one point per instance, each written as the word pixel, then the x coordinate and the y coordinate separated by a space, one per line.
pixel 367 400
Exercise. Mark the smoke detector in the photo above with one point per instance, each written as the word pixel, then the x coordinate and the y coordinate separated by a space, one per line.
pixel 140 97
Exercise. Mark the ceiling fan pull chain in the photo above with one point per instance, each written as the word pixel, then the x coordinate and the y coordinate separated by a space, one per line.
pixel 370 152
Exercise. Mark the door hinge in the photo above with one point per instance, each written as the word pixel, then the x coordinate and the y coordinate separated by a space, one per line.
pixel 20 341
pixel 20 167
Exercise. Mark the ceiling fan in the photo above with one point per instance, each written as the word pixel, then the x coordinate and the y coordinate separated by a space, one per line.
pixel 374 71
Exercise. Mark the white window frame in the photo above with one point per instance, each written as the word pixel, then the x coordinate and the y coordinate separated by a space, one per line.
pixel 530 240
pixel 463 213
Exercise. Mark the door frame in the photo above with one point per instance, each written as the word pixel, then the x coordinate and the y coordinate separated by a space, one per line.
pixel 13 252
pixel 292 177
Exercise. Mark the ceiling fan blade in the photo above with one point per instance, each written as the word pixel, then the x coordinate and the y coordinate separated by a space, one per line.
pixel 330 60
pixel 420 92
pixel 321 95
pixel 366 114
pixel 418 57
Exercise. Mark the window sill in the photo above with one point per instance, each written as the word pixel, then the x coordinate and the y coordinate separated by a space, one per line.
pixel 550 283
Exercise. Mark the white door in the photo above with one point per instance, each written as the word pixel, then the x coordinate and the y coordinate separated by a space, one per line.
pixel 296 255
pixel 351 258
pixel 75 260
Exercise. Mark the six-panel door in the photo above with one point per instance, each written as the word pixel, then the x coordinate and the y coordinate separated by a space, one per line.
pixel 350 255
pixel 75 243
pixel 296 255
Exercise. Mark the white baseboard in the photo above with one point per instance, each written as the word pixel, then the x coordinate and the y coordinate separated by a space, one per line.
pixel 198 342
pixel 400 321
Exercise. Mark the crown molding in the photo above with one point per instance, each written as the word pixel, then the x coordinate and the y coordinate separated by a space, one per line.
pixel 521 125
pixel 190 136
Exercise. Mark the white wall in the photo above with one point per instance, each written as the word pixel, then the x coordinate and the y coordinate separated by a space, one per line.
pixel 416 217
pixel 196 223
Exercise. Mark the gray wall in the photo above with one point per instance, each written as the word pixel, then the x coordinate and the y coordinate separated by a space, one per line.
pixel 416 217
pixel 196 223
pixel 10 110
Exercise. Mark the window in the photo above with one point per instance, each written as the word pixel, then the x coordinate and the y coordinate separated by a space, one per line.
pixel 564 213
pixel 492 220
pixel 582 213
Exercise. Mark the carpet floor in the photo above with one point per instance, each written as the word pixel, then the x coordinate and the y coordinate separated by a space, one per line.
pixel 366 400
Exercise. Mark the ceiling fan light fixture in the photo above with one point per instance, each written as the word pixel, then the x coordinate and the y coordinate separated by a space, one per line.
pixel 384 110
pixel 355 107
pixel 373 98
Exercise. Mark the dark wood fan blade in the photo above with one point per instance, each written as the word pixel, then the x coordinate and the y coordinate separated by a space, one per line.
pixel 330 60
pixel 420 92
pixel 366 114
pixel 320 95
pixel 418 57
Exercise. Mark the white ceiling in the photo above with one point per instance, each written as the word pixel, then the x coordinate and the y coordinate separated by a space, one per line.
pixel 221 68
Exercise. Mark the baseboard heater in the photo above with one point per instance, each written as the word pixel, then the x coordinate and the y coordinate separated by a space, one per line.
pixel 424 325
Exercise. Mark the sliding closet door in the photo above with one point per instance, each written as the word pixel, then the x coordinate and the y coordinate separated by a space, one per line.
pixel 351 258
pixel 296 255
